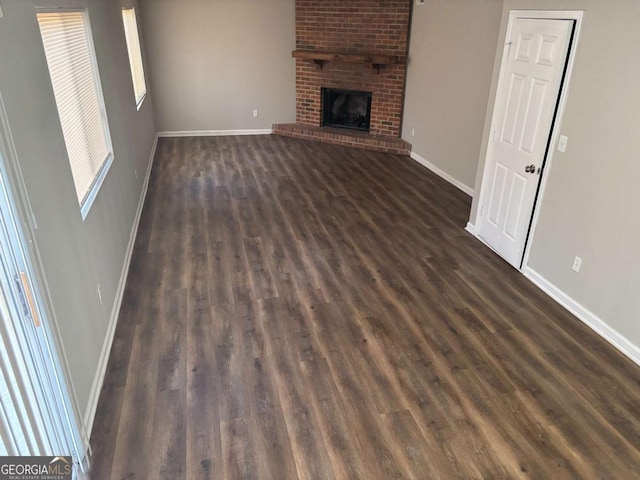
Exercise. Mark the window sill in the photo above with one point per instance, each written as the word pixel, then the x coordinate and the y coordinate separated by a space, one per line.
pixel 141 101
pixel 93 193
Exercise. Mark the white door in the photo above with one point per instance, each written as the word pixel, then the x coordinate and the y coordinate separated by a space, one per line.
pixel 528 92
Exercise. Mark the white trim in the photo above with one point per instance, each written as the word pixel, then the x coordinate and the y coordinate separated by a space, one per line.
pixel 215 133
pixel 87 203
pixel 548 14
pixel 141 101
pixel 98 379
pixel 441 173
pixel 615 338
pixel 471 228
pixel 555 132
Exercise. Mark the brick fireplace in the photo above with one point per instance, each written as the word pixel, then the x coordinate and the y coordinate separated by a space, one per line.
pixel 358 45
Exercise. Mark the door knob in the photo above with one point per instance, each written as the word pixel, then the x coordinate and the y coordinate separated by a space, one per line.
pixel 530 168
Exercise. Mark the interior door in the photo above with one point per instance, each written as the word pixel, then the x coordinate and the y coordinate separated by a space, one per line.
pixel 528 92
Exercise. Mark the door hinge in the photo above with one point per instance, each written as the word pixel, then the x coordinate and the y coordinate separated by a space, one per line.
pixel 26 299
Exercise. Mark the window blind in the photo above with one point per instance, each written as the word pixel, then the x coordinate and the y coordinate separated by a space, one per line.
pixel 135 54
pixel 69 54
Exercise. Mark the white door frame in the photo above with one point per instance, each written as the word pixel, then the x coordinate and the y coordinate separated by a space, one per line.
pixel 577 16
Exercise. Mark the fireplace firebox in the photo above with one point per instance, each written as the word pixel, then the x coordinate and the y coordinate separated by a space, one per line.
pixel 346 109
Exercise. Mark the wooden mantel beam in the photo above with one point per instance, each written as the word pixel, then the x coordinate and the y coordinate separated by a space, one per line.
pixel 320 58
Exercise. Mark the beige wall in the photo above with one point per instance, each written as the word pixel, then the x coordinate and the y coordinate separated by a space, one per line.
pixel 590 203
pixel 76 255
pixel 212 62
pixel 453 45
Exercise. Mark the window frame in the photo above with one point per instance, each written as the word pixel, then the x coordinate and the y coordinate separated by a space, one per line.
pixel 90 196
pixel 139 99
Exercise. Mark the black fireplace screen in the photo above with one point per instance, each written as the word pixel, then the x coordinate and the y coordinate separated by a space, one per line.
pixel 346 109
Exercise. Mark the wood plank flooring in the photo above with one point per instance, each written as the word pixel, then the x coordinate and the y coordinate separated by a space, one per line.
pixel 297 310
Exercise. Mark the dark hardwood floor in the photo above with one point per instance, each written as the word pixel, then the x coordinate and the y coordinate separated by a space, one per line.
pixel 302 310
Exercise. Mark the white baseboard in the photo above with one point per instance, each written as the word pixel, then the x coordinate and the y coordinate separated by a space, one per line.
pixel 98 379
pixel 589 318
pixel 471 228
pixel 441 173
pixel 216 133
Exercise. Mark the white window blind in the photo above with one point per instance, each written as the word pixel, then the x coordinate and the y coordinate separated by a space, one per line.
pixel 74 77
pixel 135 54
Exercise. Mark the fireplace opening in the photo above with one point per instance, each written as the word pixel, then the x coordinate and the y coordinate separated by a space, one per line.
pixel 346 109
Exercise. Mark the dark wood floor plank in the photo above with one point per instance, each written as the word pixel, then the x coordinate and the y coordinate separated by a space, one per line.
pixel 298 310
pixel 168 441
pixel 231 366
pixel 344 448
pixel 135 429
pixel 309 451
pixel 240 461
pixel 203 436
pixel 263 282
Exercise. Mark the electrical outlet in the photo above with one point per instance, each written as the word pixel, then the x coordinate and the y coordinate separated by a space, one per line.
pixel 255 114
pixel 577 263
pixel 413 132
pixel 562 143
pixel 99 294
pixel 135 172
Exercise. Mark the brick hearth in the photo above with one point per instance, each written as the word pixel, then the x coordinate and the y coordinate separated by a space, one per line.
pixel 340 136
pixel 363 27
